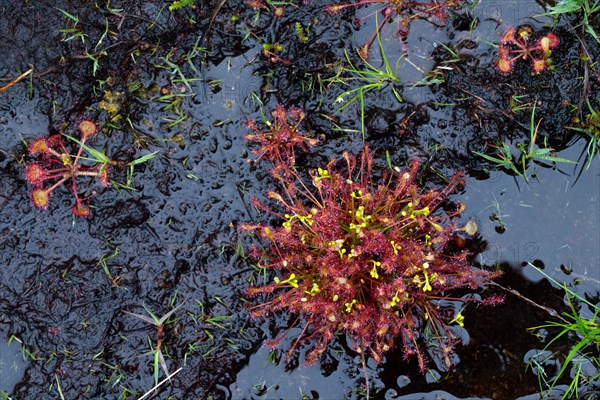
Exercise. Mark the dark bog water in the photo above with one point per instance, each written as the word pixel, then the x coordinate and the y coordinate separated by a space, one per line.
pixel 159 81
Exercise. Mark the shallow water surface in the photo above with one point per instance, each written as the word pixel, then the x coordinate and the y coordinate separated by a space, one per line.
pixel 161 82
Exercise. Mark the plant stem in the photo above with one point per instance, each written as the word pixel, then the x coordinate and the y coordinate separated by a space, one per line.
pixel 363 360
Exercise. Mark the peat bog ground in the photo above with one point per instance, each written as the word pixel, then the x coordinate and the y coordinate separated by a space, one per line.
pixel 175 89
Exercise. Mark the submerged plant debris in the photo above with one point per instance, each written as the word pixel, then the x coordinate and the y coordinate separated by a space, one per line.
pixel 152 285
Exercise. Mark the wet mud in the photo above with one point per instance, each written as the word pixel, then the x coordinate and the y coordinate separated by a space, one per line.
pixel 183 83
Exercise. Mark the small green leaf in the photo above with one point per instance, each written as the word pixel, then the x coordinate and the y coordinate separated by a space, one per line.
pixel 180 4
pixel 145 158
pixel 70 16
pixel 556 159
pixel 97 155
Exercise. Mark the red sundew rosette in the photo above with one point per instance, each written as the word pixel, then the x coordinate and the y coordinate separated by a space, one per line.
pixel 509 36
pixel 277 143
pixel 363 259
pixel 87 128
pixel 38 146
pixel 36 174
pixel 538 65
pixel 48 147
pixel 278 11
pixel 41 198
pixel 504 65
pixel 257 4
pixel 81 210
pixel 56 142
pixel 104 180
pixel 549 42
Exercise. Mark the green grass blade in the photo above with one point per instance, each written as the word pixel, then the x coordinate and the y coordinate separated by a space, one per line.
pixel 145 158
pixel 142 317
pixel 555 159
pixel 68 15
pixel 156 365
pixel 97 155
pixel 154 317
pixel 498 161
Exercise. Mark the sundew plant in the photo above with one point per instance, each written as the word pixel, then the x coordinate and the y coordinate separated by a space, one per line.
pixel 517 44
pixel 366 257
pixel 57 166
pixel 402 12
